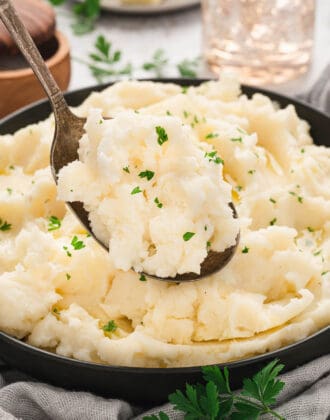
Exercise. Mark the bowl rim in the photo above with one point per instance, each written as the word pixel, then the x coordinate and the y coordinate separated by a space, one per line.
pixel 259 358
pixel 61 53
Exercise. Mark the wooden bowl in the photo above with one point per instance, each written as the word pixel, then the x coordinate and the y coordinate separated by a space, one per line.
pixel 21 87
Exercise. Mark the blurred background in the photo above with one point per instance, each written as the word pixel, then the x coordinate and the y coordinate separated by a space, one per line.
pixel 281 44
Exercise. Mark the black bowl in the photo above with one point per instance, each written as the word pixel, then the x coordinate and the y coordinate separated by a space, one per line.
pixel 150 385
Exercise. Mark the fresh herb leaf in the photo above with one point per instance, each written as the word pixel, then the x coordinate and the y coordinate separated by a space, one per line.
pixel 310 229
pixel 273 221
pixel 4 226
pixel 9 191
pixel 126 169
pixel 142 277
pixel 160 416
pixel 212 156
pixel 86 13
pixel 77 244
pixel 53 223
pixel 157 63
pixel 188 68
pixel 237 139
pixel 215 400
pixel 136 190
pixel 158 203
pixel 110 327
pixel 188 235
pixel 68 276
pixel 147 174
pixel 251 171
pixel 211 135
pixel 245 250
pixel 272 200
pixel 162 135
pixel 66 249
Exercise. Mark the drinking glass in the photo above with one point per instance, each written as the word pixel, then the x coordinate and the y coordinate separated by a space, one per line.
pixel 265 41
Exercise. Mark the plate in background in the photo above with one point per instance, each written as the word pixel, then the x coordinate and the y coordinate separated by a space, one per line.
pixel 163 7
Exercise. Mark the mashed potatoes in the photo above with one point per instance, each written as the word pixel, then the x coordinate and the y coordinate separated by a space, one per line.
pixel 154 192
pixel 60 291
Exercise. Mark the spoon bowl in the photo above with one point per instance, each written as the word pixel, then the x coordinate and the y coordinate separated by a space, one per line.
pixel 69 129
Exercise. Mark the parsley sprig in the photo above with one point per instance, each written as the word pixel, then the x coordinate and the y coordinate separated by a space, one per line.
pixel 54 223
pixel 105 60
pixel 215 400
pixel 157 63
pixel 86 15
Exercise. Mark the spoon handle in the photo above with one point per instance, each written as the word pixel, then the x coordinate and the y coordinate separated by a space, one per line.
pixel 21 36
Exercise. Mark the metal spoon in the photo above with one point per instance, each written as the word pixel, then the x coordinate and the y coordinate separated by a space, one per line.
pixel 68 130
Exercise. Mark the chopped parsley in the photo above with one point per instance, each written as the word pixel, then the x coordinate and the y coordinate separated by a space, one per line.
pixel 68 253
pixel 188 235
pixel 316 253
pixel 300 199
pixel 12 167
pixel 68 276
pixel 143 278
pixel 186 114
pixel 205 227
pixel 238 187
pixel 212 156
pixel 251 171
pixel 54 223
pixel 272 222
pixel 126 169
pixel 77 244
pixel 310 229
pixel 168 113
pixel 184 89
pixel 136 190
pixel 196 120
pixel 9 191
pixel 272 200
pixel 110 327
pixel 211 135
pixel 4 226
pixel 237 139
pixel 158 203
pixel 162 135
pixel 324 273
pixel 302 150
pixel 101 122
pixel 56 311
pixel 245 250
pixel 147 174
pixel 208 244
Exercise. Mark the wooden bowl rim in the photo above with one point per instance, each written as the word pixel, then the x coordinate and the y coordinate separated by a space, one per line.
pixel 61 53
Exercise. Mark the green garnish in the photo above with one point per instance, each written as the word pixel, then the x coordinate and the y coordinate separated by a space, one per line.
pixel 159 204
pixel 272 200
pixel 272 222
pixel 251 171
pixel 186 114
pixel 324 273
pixel 68 253
pixel 77 244
pixel 208 244
pixel 238 187
pixel 188 235
pixel 212 156
pixel 211 135
pixel 53 223
pixel 188 68
pixel 310 229
pixel 147 174
pixel 68 276
pixel 168 113
pixel 245 250
pixel 316 253
pixel 105 60
pixel 110 327
pixel 162 135
pixel 302 150
pixel 126 169
pixel 56 311
pixel 237 139
pixel 157 63
pixel 184 89
pixel 4 226
pixel 9 191
pixel 136 190
pixel 205 227
pixel 143 278
pixel 12 167
pixel 300 199
pixel 214 399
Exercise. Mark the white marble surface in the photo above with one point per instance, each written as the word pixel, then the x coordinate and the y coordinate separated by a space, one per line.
pixel 180 35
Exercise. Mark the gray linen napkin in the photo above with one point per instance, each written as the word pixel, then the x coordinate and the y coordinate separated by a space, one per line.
pixel 306 395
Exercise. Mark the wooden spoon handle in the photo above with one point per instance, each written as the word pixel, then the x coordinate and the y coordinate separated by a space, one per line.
pixel 21 36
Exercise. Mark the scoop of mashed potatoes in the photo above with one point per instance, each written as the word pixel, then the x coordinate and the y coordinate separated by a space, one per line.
pixel 154 192
pixel 60 291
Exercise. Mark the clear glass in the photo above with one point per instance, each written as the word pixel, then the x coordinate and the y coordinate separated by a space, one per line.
pixel 265 41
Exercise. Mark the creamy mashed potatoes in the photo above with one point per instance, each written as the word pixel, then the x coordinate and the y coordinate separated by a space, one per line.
pixel 60 291
pixel 154 192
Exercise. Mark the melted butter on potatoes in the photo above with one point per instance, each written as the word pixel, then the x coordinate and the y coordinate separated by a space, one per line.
pixel 59 289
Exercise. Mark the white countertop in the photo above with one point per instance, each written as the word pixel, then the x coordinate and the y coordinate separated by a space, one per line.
pixel 180 35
